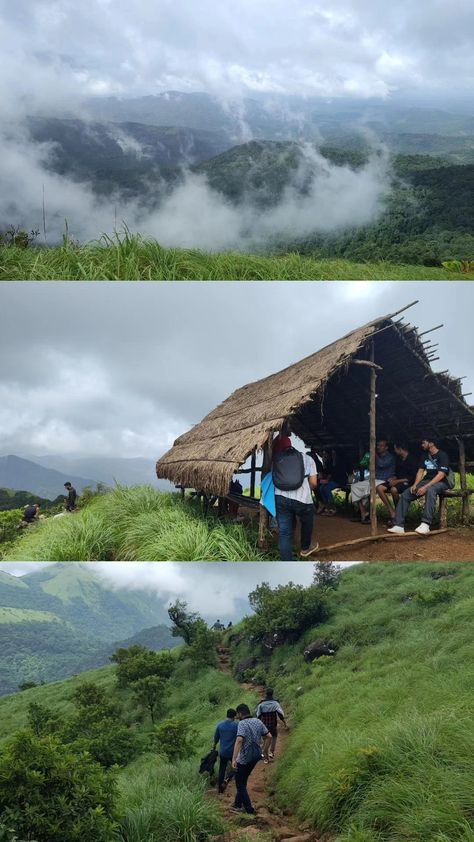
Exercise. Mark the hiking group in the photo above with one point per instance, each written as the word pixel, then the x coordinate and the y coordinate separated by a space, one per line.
pixel 301 485
pixel 245 740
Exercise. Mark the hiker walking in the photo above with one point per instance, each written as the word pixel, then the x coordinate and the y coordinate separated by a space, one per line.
pixel 218 626
pixel 294 476
pixel 269 711
pixel 251 732
pixel 71 497
pixel 225 734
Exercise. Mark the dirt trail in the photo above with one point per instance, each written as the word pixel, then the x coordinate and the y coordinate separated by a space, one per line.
pixel 270 822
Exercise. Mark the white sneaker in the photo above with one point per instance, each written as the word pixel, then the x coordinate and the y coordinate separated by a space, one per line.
pixel 423 529
pixel 396 530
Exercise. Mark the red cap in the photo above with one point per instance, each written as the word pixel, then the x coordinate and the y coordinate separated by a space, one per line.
pixel 281 443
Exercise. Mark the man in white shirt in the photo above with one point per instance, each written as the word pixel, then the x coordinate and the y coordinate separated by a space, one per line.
pixel 294 477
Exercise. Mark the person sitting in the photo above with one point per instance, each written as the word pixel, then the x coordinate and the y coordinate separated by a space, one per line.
pixel 433 476
pixel 384 470
pixel 405 471
pixel 333 476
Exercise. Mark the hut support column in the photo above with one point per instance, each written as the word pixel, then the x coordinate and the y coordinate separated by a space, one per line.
pixel 462 475
pixel 264 517
pixel 253 463
pixel 373 438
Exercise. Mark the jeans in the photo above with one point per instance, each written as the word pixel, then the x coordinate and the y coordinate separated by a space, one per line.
pixel 242 798
pixel 430 503
pixel 223 761
pixel 287 511
pixel 325 491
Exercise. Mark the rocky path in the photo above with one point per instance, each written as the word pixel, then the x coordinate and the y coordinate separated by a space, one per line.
pixel 270 823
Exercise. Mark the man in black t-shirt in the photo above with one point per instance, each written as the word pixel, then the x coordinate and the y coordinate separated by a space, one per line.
pixel 431 479
pixel 71 497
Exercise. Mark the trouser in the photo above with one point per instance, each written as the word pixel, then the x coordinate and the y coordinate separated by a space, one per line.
pixel 287 511
pixel 325 491
pixel 223 761
pixel 430 503
pixel 242 798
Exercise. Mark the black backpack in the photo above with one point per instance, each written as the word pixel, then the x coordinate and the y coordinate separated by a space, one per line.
pixel 208 762
pixel 288 469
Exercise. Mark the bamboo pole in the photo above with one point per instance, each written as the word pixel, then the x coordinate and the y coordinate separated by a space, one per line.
pixel 252 473
pixel 372 446
pixel 264 517
pixel 463 478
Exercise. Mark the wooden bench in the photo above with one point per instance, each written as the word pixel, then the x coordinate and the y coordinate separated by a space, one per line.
pixel 451 494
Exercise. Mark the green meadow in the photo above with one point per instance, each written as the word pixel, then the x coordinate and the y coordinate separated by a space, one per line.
pixel 132 257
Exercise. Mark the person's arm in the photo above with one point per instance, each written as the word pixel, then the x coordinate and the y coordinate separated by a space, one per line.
pixel 439 476
pixel 281 715
pixel 238 745
pixel 419 476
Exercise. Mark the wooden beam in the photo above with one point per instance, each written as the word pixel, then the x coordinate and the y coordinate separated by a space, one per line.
pixel 253 463
pixel 367 539
pixel 429 331
pixel 372 443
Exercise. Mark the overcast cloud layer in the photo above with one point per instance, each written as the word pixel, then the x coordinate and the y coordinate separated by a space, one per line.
pixel 122 369
pixel 59 50
pixel 207 587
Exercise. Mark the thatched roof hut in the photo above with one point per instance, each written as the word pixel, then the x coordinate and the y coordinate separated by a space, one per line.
pixel 324 399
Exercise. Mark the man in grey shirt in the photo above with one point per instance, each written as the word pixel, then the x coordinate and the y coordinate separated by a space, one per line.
pixel 248 750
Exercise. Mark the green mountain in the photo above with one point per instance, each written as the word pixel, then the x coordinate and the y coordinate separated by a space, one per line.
pixel 375 677
pixel 24 475
pixel 66 619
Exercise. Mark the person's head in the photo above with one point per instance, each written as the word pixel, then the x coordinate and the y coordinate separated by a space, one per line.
pixel 401 448
pixel 242 711
pixel 430 445
pixel 67 485
pixel 382 447
pixel 231 713
pixel 269 693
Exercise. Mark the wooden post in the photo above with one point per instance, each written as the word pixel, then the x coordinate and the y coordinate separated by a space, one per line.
pixel 264 517
pixel 462 474
pixel 373 491
pixel 373 442
pixel 443 511
pixel 253 463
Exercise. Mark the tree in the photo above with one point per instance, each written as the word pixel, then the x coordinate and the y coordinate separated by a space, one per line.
pixel 41 719
pixel 49 793
pixel 149 692
pixel 285 611
pixel 97 729
pixel 185 623
pixel 140 663
pixel 202 650
pixel 326 575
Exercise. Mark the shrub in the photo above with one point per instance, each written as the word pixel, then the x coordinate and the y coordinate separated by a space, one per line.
pixel 139 662
pixel 49 793
pixel 149 692
pixel 173 738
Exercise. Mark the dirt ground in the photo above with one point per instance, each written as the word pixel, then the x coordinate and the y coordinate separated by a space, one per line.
pixel 270 822
pixel 453 545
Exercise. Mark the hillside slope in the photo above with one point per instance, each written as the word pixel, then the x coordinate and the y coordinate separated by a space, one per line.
pixel 24 475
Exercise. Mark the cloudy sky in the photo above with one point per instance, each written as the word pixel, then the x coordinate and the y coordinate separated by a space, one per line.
pixel 206 587
pixel 60 50
pixel 122 369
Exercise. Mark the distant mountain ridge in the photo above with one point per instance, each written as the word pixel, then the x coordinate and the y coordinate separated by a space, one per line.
pixel 67 618
pixel 24 475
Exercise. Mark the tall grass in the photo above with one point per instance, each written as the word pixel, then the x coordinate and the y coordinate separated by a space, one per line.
pixel 137 524
pixel 382 745
pixel 132 257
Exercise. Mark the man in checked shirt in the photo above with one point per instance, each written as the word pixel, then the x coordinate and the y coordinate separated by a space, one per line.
pixel 269 712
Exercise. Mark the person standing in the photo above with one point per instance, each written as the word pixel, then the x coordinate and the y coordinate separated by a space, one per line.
pixel 71 497
pixel 225 735
pixel 248 750
pixel 294 476
pixel 269 711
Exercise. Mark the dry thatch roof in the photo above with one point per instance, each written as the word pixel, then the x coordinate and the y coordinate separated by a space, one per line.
pixel 324 398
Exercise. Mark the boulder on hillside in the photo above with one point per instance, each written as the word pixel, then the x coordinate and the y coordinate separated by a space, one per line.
pixel 318 648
